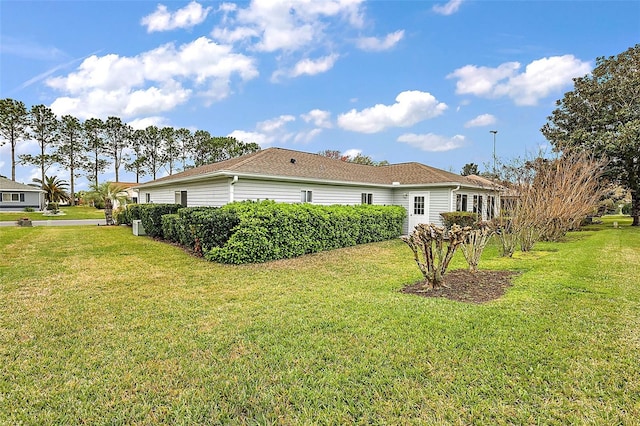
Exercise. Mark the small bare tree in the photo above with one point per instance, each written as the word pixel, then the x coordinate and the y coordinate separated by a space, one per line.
pixel 475 242
pixel 428 242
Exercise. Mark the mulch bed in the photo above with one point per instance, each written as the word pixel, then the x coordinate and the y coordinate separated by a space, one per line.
pixel 464 286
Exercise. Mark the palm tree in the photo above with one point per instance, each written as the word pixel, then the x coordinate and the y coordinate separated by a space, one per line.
pixel 107 192
pixel 55 189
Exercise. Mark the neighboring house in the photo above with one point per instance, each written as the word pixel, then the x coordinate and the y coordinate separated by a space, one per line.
pixel 130 192
pixel 16 196
pixel 291 176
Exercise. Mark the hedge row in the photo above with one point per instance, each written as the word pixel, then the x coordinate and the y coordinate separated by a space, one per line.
pixel 461 218
pixel 268 230
pixel 253 232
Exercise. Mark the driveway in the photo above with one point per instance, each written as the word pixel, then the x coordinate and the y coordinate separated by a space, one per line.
pixel 61 222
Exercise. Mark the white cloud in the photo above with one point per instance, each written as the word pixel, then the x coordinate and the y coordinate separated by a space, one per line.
pixel 307 136
pixel 143 123
pixel 187 17
pixel 268 132
pixel 540 78
pixel 481 120
pixel 432 143
pixel 352 153
pixel 151 82
pixel 448 8
pixel 311 67
pixel 284 24
pixel 319 118
pixel 379 44
pixel 275 124
pixel 260 138
pixel 410 108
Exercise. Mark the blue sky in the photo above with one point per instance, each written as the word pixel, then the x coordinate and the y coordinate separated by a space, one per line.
pixel 396 80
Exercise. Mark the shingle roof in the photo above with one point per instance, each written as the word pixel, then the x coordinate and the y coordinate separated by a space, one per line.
pixel 9 185
pixel 286 163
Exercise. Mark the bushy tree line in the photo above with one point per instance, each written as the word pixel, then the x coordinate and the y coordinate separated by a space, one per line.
pixel 89 147
pixel 253 232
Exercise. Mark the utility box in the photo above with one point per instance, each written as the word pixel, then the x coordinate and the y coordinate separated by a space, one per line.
pixel 138 229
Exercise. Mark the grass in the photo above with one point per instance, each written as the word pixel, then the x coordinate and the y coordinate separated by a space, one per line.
pixel 102 327
pixel 71 212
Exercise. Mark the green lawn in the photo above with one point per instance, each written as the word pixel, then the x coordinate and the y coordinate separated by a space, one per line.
pixel 100 327
pixel 75 212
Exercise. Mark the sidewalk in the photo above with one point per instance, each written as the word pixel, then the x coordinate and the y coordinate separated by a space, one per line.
pixel 61 222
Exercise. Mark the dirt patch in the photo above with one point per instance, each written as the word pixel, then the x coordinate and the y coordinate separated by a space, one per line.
pixel 464 286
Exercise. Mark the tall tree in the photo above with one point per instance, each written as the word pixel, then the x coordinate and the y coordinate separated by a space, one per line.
pixel 44 127
pixel 117 137
pixel 71 150
pixel 170 147
pixel 359 158
pixel 199 150
pixel 94 137
pixel 601 115
pixel 334 153
pixel 13 126
pixel 137 163
pixel 184 138
pixel 152 150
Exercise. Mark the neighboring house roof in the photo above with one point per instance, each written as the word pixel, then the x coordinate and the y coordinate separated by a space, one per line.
pixel 289 164
pixel 9 185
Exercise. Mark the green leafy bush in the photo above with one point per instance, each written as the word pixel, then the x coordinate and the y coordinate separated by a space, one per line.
pixel 151 217
pixel 122 216
pixel 170 227
pixel 134 212
pixel 29 209
pixel 463 219
pixel 202 228
pixel 268 230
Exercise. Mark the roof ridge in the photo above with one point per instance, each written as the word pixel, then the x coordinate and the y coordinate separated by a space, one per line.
pixel 246 158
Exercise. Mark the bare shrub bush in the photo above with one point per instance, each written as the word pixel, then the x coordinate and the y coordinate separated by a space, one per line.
pixel 433 248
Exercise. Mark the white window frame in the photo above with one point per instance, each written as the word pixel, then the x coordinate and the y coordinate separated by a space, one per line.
pixel 462 199
pixel 366 198
pixel 12 197
pixel 306 196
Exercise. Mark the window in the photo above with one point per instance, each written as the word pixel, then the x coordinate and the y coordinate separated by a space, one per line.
pixel 12 197
pixel 367 198
pixel 135 200
pixel 147 197
pixel 418 205
pixel 477 205
pixel 491 206
pixel 306 196
pixel 181 198
pixel 461 202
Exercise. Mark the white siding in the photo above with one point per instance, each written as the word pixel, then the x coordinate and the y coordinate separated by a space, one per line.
pixel 211 193
pixel 289 192
pixel 439 202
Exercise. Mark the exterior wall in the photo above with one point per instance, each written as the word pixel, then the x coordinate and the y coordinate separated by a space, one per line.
pixel 290 192
pixel 211 193
pixel 31 199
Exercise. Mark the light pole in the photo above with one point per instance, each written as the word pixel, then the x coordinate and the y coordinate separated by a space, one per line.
pixel 494 151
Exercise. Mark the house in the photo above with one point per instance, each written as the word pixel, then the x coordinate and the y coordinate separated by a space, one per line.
pixel 289 176
pixel 16 196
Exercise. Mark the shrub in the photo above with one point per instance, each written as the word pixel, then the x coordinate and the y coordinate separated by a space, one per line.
pixel 29 209
pixel 134 212
pixel 268 230
pixel 122 216
pixel 170 226
pixel 203 228
pixel 462 219
pixel 427 242
pixel 53 207
pixel 151 217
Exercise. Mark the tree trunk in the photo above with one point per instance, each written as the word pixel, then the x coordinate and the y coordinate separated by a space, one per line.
pixel 108 211
pixel 635 208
